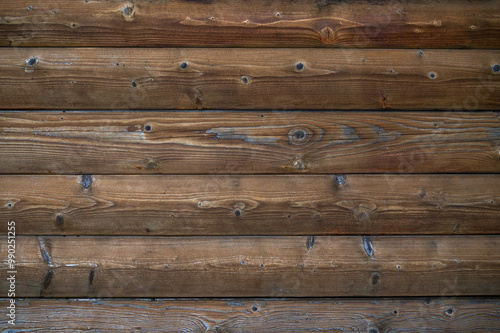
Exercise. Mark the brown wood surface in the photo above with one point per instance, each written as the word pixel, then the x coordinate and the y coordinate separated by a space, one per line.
pixel 303 23
pixel 251 205
pixel 437 315
pixel 301 266
pixel 249 142
pixel 277 79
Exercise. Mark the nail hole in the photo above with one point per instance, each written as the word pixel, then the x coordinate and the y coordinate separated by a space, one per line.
pixel 73 25
pixel 117 64
pixel 244 79
pixel 134 84
pixel 261 265
pixel 152 165
pixel 148 128
pixel 340 179
pixel 237 212
pixel 298 165
pixel 184 65
pixel 398 266
pixel 421 53
pixel 128 10
pixel 300 66
pixel 32 62
pixel 262 116
pixel 254 309
pixel 30 7
pixel 9 205
pixel 432 75
pixel 496 68
pixel 363 60
pixel 59 219
pixel 278 14
pixel 395 312
pixel 449 311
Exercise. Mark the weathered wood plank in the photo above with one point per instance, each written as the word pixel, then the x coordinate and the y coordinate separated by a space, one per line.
pixel 437 315
pixel 249 142
pixel 326 23
pixel 251 205
pixel 255 266
pixel 284 79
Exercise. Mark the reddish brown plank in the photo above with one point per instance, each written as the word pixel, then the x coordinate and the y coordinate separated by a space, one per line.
pixel 264 23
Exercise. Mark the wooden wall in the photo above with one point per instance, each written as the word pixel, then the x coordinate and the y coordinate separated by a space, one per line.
pixel 251 166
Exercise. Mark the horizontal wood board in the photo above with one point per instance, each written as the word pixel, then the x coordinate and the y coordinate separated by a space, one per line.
pixel 255 266
pixel 438 315
pixel 173 142
pixel 251 204
pixel 249 79
pixel 255 23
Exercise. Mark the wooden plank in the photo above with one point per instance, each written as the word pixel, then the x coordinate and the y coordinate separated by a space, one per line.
pixel 249 142
pixel 255 266
pixel 251 205
pixel 326 23
pixel 278 79
pixel 437 315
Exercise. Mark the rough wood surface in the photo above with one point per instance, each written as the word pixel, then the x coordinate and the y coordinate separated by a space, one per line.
pixel 249 142
pixel 255 266
pixel 327 23
pixel 437 315
pixel 278 79
pixel 251 205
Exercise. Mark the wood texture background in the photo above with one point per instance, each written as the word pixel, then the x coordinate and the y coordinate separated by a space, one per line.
pixel 251 79
pixel 250 160
pixel 249 142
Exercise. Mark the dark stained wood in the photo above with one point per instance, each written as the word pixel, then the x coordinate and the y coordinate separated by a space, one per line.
pixel 437 315
pixel 251 205
pixel 277 79
pixel 249 142
pixel 255 266
pixel 303 23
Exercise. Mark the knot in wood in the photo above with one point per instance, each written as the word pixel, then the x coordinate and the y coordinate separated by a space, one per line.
pixel 299 136
pixel 327 33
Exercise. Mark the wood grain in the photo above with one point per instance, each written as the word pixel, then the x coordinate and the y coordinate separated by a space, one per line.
pixel 255 266
pixel 277 79
pixel 303 23
pixel 249 142
pixel 437 315
pixel 251 205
